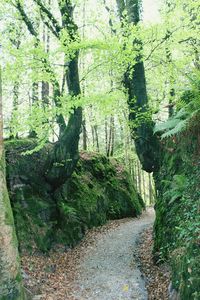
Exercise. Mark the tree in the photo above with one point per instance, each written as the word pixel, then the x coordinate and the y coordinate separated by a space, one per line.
pixel 135 82
pixel 65 151
pixel 10 277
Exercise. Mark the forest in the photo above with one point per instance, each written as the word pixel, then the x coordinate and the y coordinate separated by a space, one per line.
pixel 99 149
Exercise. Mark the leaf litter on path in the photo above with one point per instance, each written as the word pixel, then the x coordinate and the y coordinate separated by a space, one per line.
pixel 54 276
pixel 157 276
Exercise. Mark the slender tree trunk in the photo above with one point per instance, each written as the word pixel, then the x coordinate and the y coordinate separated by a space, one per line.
pixel 111 138
pixel 171 83
pixel 84 135
pixel 139 179
pixel 15 108
pixel 96 137
pixel 93 137
pixel 112 121
pixel 35 97
pixel 46 41
pixel 10 276
pixel 144 186
pixel 84 82
pixel 150 190
pixel 135 175
pixel 106 135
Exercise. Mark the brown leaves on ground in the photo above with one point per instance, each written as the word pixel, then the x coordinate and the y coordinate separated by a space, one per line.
pixel 158 277
pixel 52 277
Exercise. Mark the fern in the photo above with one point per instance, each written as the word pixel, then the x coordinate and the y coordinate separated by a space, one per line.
pixel 176 188
pixel 181 125
pixel 176 124
pixel 169 124
pixel 188 108
pixel 69 212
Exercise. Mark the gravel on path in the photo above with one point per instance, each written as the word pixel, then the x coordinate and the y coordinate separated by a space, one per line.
pixel 108 269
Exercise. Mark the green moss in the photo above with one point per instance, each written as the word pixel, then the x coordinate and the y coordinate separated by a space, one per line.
pixel 96 192
pixel 177 214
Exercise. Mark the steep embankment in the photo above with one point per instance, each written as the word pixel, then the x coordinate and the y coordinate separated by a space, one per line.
pixel 177 227
pixel 44 215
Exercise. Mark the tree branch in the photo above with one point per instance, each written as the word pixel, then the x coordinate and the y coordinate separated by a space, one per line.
pixel 164 39
pixel 54 25
pixel 25 18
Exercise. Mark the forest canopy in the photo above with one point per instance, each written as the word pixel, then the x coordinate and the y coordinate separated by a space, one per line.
pixel 36 48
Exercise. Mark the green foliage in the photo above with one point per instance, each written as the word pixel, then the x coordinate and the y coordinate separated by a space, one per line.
pixel 176 188
pixel 188 109
pixel 97 191
pixel 177 212
pixel 69 212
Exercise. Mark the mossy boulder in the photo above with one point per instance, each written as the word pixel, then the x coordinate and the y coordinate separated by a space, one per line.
pixel 45 215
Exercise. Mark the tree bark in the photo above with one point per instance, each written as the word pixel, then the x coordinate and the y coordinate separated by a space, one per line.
pixel 135 82
pixel 14 109
pixel 84 135
pixel 139 179
pixel 10 277
pixel 65 154
pixel 46 41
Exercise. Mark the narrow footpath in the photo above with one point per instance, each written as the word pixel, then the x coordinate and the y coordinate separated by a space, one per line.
pixel 109 269
pixel 104 266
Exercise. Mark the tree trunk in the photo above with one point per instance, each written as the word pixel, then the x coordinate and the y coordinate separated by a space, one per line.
pixel 139 178
pixel 84 135
pixel 171 83
pixel 144 186
pixel 135 82
pixel 65 154
pixel 106 136
pixel 10 277
pixel 96 137
pixel 150 190
pixel 46 41
pixel 110 139
pixel 14 110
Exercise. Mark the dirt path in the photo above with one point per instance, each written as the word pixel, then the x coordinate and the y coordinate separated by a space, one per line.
pixel 108 270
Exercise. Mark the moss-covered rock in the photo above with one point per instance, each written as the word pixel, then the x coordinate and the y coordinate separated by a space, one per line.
pixel 45 215
pixel 177 225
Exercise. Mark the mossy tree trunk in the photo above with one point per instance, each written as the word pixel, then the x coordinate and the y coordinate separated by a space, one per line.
pixel 10 277
pixel 66 152
pixel 63 158
pixel 135 82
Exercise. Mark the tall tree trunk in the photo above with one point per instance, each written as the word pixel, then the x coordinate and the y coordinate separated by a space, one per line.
pixel 171 84
pixel 135 82
pixel 46 41
pixel 66 154
pixel 84 135
pixel 150 190
pixel 10 277
pixel 139 178
pixel 96 137
pixel 144 186
pixel 15 108
pixel 84 81
pixel 112 136
pixel 35 97
pixel 106 136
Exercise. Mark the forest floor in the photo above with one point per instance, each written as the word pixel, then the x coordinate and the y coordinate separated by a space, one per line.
pixel 106 265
